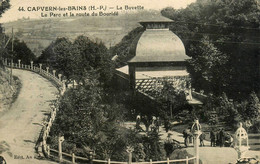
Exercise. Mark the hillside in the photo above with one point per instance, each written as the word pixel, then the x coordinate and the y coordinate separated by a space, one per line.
pixel 39 33
pixel 8 93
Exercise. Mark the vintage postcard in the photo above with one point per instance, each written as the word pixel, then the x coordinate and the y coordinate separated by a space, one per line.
pixel 130 81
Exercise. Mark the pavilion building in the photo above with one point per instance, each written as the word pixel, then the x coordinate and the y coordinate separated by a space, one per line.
pixel 158 53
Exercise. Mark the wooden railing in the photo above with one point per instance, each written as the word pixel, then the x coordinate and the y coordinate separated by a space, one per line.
pixel 72 158
pixel 45 73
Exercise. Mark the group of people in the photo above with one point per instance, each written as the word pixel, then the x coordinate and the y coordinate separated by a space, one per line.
pixel 217 138
pixel 220 138
pixel 188 137
pixel 154 123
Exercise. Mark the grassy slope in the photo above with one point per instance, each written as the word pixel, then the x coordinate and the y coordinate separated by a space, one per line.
pixel 39 33
pixel 8 93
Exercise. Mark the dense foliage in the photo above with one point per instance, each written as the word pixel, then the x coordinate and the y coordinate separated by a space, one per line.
pixel 73 58
pixel 220 36
pixel 222 109
pixel 172 101
pixel 90 114
pixel 90 118
pixel 5 5
pixel 125 50
pixel 20 51
pixel 86 121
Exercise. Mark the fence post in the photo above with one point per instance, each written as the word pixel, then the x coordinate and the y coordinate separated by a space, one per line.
pixel 129 150
pixel 32 65
pixel 19 63
pixel 40 67
pixel 59 75
pixel 108 161
pixel 48 150
pixel 47 70
pixel 61 139
pixel 168 161
pixel 73 158
pixel 151 161
pixel 54 71
pixel 187 160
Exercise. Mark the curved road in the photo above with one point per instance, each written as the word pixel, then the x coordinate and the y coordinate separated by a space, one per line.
pixel 20 126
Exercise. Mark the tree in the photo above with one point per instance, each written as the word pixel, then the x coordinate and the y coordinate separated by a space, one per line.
pixel 84 119
pixel 208 66
pixel 152 146
pixel 95 55
pixel 253 107
pixel 5 5
pixel 230 28
pixel 171 98
pixel 66 58
pixel 62 56
pixel 20 51
pixel 227 111
pixel 124 49
pixel 72 59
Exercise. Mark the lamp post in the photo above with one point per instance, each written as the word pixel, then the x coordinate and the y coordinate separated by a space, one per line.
pixel 241 141
pixel 196 132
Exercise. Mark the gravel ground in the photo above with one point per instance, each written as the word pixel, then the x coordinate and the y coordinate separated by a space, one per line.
pixel 20 126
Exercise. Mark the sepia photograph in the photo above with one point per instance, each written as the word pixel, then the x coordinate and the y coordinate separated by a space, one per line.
pixel 130 82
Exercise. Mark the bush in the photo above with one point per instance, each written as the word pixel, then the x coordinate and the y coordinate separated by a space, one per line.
pixel 256 127
pixel 182 154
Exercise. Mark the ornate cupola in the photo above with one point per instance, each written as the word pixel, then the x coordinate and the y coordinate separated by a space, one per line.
pixel 157 52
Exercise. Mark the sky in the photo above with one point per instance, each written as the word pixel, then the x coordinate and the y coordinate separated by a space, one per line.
pixel 13 14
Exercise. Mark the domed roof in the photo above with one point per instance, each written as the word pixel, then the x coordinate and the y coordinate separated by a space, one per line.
pixel 159 45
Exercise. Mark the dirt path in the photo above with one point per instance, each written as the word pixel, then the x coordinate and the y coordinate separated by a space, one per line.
pixel 20 126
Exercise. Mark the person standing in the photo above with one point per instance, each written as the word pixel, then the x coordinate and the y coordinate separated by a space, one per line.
pixel 168 147
pixel 157 124
pixel 221 137
pixel 167 125
pixel 218 138
pixel 138 122
pixel 153 125
pixel 202 137
pixel 212 138
pixel 146 122
pixel 185 136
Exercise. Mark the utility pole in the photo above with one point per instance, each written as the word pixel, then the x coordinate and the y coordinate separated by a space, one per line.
pixel 3 33
pixel 3 44
pixel 11 78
